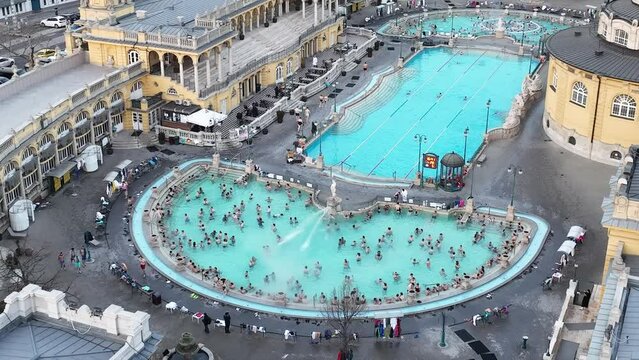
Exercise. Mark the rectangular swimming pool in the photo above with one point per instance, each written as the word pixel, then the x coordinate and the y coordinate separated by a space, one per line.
pixel 439 94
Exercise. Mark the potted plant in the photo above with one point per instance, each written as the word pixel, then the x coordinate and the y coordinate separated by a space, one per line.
pixel 280 116
pixel 241 36
pixel 369 51
pixel 274 20
pixel 266 24
pixel 376 45
pixel 291 112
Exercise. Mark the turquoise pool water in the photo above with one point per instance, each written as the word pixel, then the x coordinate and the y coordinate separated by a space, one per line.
pixel 292 248
pixel 439 94
pixel 516 27
pixel 159 263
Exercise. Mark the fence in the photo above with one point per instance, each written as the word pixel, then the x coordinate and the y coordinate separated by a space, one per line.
pixel 190 137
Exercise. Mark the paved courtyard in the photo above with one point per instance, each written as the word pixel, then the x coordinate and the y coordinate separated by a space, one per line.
pixel 561 187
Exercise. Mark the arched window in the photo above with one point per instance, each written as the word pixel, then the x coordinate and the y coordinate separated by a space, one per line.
pixel 572 140
pixel 45 141
pixel 63 129
pixel 81 117
pixel 9 169
pixel 28 152
pixel 134 57
pixel 604 30
pixel 624 106
pixel 579 93
pixel 621 37
pixel 555 80
pixel 615 155
pixel 136 90
pixel 117 96
pixel 278 73
pixel 289 67
pixel 99 107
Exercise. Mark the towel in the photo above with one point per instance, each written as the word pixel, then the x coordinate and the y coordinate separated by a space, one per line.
pixel 254 329
pixel 287 334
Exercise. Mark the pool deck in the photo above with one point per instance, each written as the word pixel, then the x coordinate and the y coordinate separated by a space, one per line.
pixel 553 187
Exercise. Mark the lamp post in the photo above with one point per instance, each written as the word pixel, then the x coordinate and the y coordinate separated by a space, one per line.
pixel 465 142
pixel 515 171
pixel 487 114
pixel 442 340
pixel 472 178
pixel 334 85
pixel 420 138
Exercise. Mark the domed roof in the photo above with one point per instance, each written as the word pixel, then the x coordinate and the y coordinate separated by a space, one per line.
pixel 452 160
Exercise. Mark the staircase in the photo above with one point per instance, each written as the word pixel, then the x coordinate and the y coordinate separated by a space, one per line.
pixel 123 140
pixel 150 346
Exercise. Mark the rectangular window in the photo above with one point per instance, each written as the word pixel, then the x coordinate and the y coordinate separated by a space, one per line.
pixel 47 165
pixel 65 152
pixel 555 80
pixel 82 141
pixel 30 180
pixel 13 194
pixel 101 130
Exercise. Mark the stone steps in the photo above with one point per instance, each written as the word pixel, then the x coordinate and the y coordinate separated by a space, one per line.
pixel 124 140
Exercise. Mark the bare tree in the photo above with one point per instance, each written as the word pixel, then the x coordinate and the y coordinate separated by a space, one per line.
pixel 341 312
pixel 26 266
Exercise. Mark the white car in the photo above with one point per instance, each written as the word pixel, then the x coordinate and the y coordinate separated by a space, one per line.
pixel 55 22
pixel 6 62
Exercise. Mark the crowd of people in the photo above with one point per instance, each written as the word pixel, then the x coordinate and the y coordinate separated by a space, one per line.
pixel 180 242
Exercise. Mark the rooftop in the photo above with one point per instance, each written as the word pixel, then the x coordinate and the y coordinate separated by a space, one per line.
pixel 582 48
pixel 36 91
pixel 35 339
pixel 162 16
pixel 625 9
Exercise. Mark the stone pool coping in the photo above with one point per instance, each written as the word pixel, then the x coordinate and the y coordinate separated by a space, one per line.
pixel 155 258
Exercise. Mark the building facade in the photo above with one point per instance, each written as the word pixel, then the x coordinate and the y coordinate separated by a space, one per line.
pixel 11 8
pixel 593 85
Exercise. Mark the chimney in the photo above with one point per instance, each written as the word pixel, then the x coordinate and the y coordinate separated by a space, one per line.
pixel 140 14
pixel 180 20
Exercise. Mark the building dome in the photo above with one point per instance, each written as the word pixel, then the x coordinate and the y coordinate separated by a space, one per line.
pixel 618 23
pixel 452 160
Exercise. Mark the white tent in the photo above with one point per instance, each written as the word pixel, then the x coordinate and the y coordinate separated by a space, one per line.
pixel 576 232
pixel 205 118
pixel 568 247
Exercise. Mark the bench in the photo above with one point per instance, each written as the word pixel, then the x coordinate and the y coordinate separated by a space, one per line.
pixel 480 160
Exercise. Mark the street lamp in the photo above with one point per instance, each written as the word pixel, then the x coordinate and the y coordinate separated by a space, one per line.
pixel 442 341
pixel 465 142
pixel 515 171
pixel 420 139
pixel 334 85
pixel 487 113
pixel 472 178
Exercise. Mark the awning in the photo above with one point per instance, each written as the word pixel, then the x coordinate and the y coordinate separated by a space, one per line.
pixel 179 108
pixel 568 247
pixel 204 118
pixel 575 232
pixel 123 164
pixel 111 176
pixel 62 169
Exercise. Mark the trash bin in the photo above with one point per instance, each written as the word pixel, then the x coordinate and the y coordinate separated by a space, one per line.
pixel 156 298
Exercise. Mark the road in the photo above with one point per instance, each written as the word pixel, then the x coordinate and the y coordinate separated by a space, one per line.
pixel 15 33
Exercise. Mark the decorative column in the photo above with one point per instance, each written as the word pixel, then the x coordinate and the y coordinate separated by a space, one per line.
pixel 265 15
pixel 230 59
pixel 287 6
pixel 314 12
pixel 181 62
pixel 218 60
pixel 303 9
pixel 323 6
pixel 243 26
pixel 257 18
pixel 208 69
pixel 196 69
pixel 162 65
pixel 250 16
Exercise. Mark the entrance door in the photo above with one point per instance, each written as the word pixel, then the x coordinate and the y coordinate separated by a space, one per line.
pixel 35 5
pixel 137 121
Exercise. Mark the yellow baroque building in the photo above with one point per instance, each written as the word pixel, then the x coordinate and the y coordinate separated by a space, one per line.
pixel 593 85
pixel 133 60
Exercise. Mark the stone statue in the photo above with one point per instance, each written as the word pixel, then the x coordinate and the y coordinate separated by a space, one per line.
pixel 500 25
pixel 84 3
pixel 333 188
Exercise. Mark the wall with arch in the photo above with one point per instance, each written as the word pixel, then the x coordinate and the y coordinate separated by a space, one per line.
pixel 608 24
pixel 596 130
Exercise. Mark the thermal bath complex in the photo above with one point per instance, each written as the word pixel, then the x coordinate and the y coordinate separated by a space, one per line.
pixel 294 261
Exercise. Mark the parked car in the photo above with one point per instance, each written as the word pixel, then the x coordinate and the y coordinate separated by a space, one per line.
pixel 72 17
pixel 55 22
pixel 6 62
pixel 48 54
pixel 7 72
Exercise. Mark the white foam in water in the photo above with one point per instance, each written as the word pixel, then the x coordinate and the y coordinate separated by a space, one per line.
pixel 318 221
pixel 302 226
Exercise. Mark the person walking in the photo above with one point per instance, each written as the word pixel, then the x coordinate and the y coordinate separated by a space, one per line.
pixel 365 66
pixel 143 266
pixel 61 260
pixel 206 320
pixel 78 264
pixel 227 322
